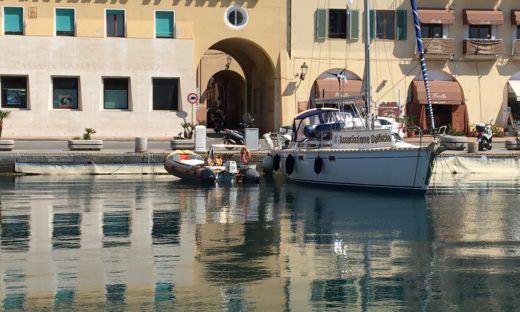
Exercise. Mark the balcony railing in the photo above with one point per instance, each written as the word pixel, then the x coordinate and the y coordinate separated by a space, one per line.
pixel 516 48
pixel 438 47
pixel 482 47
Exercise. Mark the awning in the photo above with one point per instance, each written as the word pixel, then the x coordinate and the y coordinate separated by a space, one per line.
pixel 515 85
pixel 330 88
pixel 441 92
pixel 436 16
pixel 515 17
pixel 483 17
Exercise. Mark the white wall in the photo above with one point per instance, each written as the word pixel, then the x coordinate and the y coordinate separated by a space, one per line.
pixel 91 59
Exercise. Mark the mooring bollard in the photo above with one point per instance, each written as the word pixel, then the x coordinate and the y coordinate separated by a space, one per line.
pixel 141 144
pixel 472 147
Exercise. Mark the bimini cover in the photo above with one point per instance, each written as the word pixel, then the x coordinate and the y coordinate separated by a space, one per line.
pixel 314 112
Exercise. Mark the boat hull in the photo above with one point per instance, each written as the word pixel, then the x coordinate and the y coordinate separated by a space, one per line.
pixel 187 172
pixel 402 169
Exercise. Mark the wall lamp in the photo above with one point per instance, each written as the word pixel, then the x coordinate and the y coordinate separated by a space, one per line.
pixel 303 71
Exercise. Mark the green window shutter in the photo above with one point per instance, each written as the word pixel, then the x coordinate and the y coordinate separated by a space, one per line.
pixel 65 21
pixel 164 24
pixel 13 20
pixel 321 24
pixel 353 24
pixel 372 14
pixel 401 25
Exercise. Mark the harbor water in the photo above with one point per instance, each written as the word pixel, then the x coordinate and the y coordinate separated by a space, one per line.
pixel 154 243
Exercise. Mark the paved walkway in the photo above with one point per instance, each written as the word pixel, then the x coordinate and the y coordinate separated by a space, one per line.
pixel 163 146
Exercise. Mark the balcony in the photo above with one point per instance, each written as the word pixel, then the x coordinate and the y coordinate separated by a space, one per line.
pixel 438 48
pixel 482 48
pixel 516 48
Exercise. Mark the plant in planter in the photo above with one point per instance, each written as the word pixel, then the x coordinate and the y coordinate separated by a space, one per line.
pixel 514 144
pixel 184 140
pixel 87 143
pixel 5 145
pixel 409 124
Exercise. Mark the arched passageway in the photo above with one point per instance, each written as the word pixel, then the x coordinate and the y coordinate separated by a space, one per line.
pixel 246 82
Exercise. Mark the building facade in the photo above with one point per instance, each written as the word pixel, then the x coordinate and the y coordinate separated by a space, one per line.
pixel 127 68
pixel 472 53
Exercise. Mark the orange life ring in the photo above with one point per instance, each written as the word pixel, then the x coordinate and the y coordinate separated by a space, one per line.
pixel 245 155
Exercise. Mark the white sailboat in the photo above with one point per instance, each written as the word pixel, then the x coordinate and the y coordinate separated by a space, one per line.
pixel 341 147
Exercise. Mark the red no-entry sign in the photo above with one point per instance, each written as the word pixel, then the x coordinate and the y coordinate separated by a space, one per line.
pixel 193 98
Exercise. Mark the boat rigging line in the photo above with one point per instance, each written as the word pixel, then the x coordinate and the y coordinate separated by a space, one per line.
pixel 422 61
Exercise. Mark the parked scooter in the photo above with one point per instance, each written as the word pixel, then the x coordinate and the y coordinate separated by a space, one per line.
pixel 237 137
pixel 484 137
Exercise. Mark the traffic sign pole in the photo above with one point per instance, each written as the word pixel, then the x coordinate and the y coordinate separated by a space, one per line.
pixel 193 98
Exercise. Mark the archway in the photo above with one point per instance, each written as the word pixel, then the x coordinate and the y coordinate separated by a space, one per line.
pixel 225 93
pixel 336 82
pixel 248 82
pixel 447 99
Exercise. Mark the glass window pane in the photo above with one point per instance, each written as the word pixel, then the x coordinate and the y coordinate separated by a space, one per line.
pixel 13 21
pixel 338 24
pixel 115 93
pixel 164 24
pixel 14 92
pixel 65 22
pixel 390 25
pixel 165 94
pixel 65 93
pixel 473 32
pixel 425 31
pixel 437 31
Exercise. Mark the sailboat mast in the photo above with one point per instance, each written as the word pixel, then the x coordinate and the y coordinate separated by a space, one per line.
pixel 367 63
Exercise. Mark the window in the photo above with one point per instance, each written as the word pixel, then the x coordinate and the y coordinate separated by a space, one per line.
pixel 431 30
pixel 65 22
pixel 64 93
pixel 236 17
pixel 337 23
pixel 115 93
pixel 388 24
pixel 385 22
pixel 479 31
pixel 14 91
pixel 165 94
pixel 164 24
pixel 115 23
pixel 13 21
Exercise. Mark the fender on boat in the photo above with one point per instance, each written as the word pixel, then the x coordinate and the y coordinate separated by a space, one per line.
pixel 276 162
pixel 251 176
pixel 289 164
pixel 318 165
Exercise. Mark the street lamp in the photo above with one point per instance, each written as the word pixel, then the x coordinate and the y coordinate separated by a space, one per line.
pixel 303 71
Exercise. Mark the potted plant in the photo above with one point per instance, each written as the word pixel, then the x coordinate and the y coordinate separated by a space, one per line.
pixel 5 145
pixel 184 140
pixel 87 143
pixel 409 123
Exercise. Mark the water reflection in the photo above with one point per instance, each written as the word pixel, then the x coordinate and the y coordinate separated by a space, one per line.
pixel 152 243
